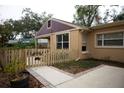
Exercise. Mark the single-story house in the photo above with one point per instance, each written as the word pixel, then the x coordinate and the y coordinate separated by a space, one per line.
pixel 105 41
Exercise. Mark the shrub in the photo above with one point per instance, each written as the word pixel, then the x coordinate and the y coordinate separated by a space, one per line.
pixel 14 67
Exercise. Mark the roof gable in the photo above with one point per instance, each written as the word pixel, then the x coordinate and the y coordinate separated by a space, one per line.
pixel 56 26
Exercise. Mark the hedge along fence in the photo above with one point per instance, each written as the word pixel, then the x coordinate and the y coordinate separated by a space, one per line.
pixel 34 57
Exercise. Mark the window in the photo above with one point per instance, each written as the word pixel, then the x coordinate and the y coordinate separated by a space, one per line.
pixel 84 48
pixel 99 39
pixel 49 24
pixel 62 41
pixel 84 42
pixel 113 39
pixel 110 39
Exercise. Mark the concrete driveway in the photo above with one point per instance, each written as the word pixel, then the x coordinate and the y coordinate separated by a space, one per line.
pixel 102 77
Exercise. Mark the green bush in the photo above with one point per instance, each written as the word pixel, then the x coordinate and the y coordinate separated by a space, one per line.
pixel 14 67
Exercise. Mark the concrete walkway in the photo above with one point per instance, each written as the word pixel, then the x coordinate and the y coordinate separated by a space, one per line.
pixel 106 76
pixel 50 75
pixel 103 77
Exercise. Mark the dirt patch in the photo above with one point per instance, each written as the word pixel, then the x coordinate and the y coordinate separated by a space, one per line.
pixel 4 81
pixel 74 71
pixel 34 83
pixel 75 67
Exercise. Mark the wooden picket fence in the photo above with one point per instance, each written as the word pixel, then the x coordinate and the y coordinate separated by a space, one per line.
pixel 34 57
pixel 12 55
pixel 40 57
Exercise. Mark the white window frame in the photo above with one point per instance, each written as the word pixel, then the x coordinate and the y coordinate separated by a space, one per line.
pixel 61 33
pixel 96 46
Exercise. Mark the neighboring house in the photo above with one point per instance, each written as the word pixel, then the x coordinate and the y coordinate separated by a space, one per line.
pixel 42 43
pixel 104 41
pixel 26 40
pixel 13 41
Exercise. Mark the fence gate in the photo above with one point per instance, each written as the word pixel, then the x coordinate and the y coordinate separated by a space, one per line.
pixel 41 57
pixel 36 57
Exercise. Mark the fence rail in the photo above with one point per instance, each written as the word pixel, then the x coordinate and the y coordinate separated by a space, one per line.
pixel 34 57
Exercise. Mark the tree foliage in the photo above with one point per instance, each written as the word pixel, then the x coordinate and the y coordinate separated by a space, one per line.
pixel 6 30
pixel 119 17
pixel 110 13
pixel 85 15
pixel 29 22
pixel 33 21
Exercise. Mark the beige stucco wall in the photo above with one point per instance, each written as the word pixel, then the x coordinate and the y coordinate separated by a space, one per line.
pixel 115 54
pixel 75 43
pixel 53 41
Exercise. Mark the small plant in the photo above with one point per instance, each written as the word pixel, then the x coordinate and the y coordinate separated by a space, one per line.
pixel 18 77
pixel 14 67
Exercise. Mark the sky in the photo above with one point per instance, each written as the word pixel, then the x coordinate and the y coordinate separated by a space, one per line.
pixel 61 9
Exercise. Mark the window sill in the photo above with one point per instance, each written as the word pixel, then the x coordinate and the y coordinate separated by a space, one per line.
pixel 84 52
pixel 109 46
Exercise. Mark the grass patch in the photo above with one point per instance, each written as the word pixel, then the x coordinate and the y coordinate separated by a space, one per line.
pixel 77 66
pixel 82 65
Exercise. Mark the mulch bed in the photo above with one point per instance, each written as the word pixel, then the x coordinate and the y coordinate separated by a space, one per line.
pixel 4 81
